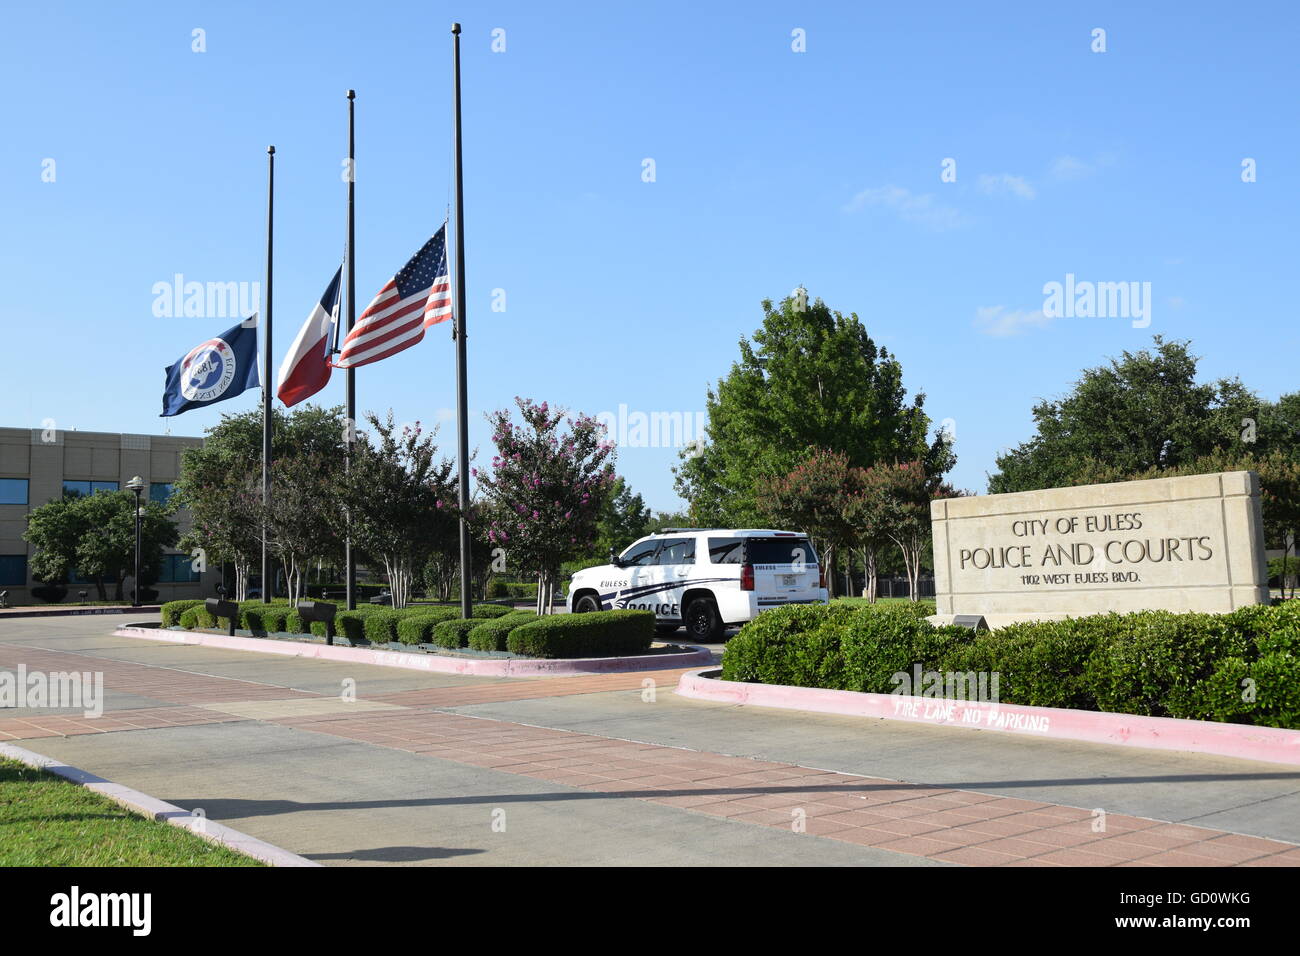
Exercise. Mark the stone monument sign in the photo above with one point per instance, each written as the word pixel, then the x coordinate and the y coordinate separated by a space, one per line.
pixel 1193 543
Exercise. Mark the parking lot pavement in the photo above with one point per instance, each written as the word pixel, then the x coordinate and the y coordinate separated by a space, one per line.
pixel 615 769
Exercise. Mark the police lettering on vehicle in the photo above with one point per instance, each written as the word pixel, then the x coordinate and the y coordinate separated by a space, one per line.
pixel 661 610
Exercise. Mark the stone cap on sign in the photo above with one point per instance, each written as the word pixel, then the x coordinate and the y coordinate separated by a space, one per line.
pixel 1226 484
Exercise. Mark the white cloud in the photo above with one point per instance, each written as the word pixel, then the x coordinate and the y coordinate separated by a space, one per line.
pixel 922 209
pixel 995 320
pixel 1065 168
pixel 1071 167
pixel 1002 184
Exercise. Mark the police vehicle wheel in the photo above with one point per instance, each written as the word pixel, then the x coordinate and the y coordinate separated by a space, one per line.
pixel 586 604
pixel 702 621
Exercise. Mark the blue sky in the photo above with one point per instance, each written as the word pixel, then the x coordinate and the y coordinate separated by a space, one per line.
pixel 772 168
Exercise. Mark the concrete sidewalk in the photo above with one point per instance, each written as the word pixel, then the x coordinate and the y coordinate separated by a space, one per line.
pixel 604 769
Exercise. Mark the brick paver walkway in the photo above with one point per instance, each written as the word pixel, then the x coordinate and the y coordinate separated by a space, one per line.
pixel 942 823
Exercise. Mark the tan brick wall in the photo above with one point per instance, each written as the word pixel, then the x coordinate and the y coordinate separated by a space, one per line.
pixel 46 459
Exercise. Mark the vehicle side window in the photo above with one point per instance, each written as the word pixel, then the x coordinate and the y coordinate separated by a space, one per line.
pixel 726 550
pixel 641 554
pixel 677 551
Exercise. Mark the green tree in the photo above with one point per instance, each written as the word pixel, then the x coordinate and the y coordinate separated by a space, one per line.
pixel 898 497
pixel 95 534
pixel 624 517
pixel 220 483
pixel 819 498
pixel 811 378
pixel 1143 411
pixel 401 500
pixel 301 523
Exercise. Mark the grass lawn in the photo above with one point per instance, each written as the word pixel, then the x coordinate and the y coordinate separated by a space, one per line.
pixel 48 821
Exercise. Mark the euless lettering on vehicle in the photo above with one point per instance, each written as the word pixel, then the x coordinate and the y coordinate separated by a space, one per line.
pixel 704 578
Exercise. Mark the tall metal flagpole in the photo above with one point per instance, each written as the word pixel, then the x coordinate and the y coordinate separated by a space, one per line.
pixel 349 558
pixel 267 585
pixel 458 330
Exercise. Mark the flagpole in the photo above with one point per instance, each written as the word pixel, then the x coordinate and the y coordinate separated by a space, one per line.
pixel 267 585
pixel 350 558
pixel 458 330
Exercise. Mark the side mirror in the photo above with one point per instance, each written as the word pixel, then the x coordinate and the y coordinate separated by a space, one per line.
pixel 613 558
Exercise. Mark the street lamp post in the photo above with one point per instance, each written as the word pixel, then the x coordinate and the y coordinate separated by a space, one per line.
pixel 136 485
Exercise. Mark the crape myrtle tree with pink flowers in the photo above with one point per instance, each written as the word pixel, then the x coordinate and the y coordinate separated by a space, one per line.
pixel 546 489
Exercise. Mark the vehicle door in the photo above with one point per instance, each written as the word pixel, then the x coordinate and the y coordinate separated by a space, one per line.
pixel 675 562
pixel 639 573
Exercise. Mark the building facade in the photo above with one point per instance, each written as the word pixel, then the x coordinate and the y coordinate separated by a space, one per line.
pixel 40 465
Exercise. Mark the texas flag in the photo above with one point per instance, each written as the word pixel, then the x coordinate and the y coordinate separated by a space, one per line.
pixel 306 369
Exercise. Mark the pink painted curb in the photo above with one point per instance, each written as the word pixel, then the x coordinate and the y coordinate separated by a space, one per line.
pixel 156 809
pixel 486 667
pixel 1268 744
pixel 71 611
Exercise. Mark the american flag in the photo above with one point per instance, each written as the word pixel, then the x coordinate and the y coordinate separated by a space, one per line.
pixel 417 297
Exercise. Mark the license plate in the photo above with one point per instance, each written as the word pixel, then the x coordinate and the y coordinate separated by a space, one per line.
pixel 789 580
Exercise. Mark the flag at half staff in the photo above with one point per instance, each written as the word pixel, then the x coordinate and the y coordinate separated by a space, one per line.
pixel 417 297
pixel 306 368
pixel 214 371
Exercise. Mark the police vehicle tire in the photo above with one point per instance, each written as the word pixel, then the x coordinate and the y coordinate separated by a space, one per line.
pixel 702 621
pixel 586 604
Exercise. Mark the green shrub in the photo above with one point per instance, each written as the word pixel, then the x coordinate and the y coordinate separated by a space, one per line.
pixel 454 634
pixel 417 627
pixel 1242 667
pixel 263 618
pixel 172 611
pixel 485 611
pixel 202 619
pixel 380 626
pixel 189 618
pixel 294 624
pixel 596 634
pixel 352 624
pixel 491 635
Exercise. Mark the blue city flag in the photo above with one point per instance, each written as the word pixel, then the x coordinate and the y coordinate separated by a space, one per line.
pixel 213 371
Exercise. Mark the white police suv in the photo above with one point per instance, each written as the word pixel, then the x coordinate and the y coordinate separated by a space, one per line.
pixel 704 578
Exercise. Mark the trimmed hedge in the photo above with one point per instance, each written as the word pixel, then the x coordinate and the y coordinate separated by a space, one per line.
pixel 596 634
pixel 172 611
pixel 263 618
pixel 1242 667
pixel 374 623
pixel 489 611
pixel 491 635
pixel 454 634
pixel 417 628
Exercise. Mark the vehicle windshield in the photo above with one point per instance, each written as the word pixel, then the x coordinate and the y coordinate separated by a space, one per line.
pixel 638 554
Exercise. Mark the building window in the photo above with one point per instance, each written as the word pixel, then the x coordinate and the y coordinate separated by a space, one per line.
pixel 160 492
pixel 87 488
pixel 13 570
pixel 178 569
pixel 75 578
pixel 13 491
